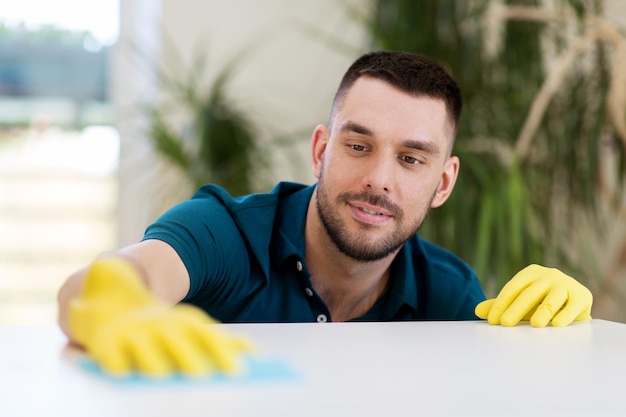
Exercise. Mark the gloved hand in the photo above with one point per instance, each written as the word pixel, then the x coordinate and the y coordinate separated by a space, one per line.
pixel 541 295
pixel 124 328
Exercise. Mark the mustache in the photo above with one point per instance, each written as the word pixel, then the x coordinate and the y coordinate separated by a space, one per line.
pixel 374 200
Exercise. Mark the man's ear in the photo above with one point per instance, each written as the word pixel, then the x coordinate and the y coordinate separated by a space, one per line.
pixel 319 140
pixel 448 179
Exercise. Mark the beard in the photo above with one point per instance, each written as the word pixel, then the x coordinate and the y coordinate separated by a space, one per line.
pixel 352 244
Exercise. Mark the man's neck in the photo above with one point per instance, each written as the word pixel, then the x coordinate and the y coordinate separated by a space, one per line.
pixel 349 297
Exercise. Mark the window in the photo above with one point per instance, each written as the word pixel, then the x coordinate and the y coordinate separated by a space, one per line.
pixel 58 149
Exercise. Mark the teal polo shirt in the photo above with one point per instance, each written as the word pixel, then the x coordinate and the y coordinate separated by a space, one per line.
pixel 245 258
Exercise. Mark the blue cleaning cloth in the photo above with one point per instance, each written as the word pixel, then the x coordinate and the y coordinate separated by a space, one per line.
pixel 255 370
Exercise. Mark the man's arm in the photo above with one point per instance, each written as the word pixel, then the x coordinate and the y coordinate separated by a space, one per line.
pixel 159 265
pixel 123 310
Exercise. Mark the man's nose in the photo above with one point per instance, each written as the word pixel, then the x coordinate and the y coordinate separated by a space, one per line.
pixel 379 176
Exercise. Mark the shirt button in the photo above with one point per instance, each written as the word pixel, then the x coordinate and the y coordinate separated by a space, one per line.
pixel 308 292
pixel 299 266
pixel 322 318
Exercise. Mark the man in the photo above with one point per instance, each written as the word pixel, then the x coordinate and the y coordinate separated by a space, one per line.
pixel 343 249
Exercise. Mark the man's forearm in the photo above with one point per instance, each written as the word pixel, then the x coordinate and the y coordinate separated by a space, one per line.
pixel 68 291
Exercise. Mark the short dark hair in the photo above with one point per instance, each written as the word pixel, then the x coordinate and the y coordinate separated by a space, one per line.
pixel 412 73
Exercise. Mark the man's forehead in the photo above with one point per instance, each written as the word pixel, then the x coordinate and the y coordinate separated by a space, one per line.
pixel 365 92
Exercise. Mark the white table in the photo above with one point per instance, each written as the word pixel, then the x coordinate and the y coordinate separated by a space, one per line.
pixel 347 369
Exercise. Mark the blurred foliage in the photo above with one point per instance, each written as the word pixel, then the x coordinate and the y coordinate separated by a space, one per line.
pixel 201 132
pixel 528 173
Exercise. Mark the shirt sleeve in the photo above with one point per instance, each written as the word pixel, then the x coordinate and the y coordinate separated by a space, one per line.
pixel 205 236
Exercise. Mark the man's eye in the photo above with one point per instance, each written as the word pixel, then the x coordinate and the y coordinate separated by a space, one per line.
pixel 358 148
pixel 410 160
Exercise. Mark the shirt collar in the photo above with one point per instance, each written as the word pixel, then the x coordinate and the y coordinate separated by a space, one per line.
pixel 288 239
pixel 403 288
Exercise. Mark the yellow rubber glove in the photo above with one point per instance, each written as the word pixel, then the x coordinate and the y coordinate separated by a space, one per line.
pixel 541 295
pixel 124 328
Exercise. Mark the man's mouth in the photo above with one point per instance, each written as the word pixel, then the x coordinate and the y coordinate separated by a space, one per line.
pixel 370 214
pixel 369 211
pixel 379 208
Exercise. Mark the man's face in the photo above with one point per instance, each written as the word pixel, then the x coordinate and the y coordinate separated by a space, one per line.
pixel 381 166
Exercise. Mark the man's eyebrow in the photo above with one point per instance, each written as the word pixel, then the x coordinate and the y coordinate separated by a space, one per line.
pixel 422 145
pixel 350 126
